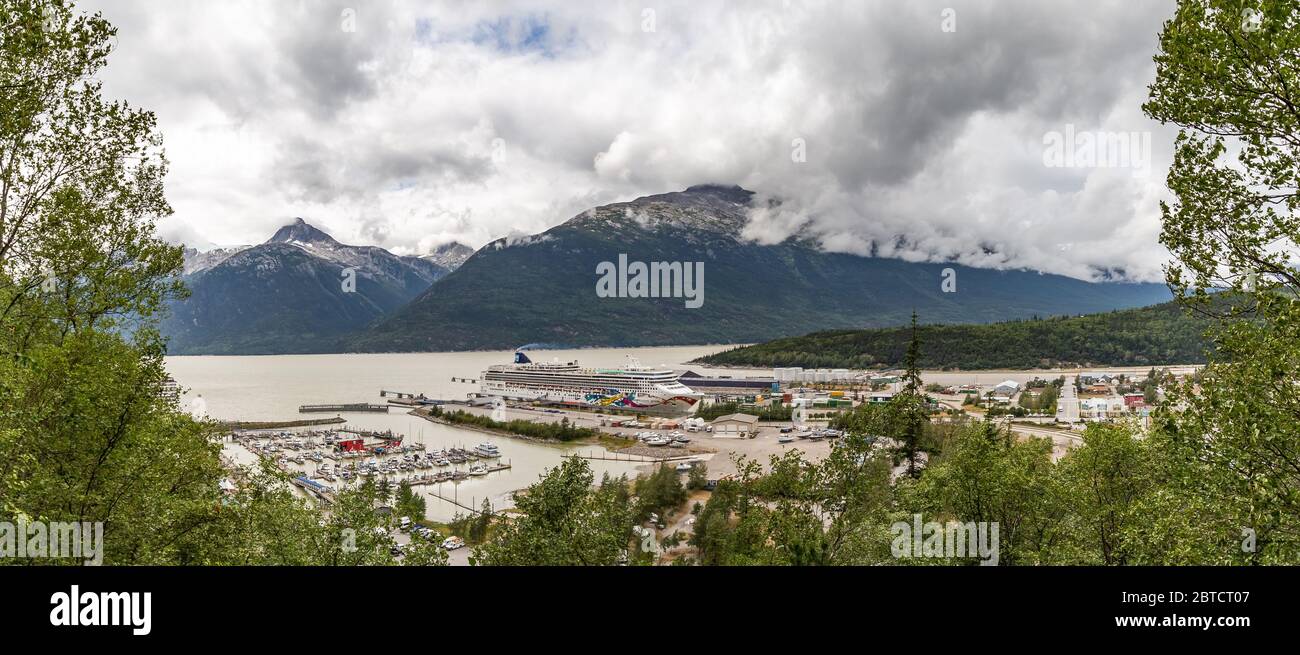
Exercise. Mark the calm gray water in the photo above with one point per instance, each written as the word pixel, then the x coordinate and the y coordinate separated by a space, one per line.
pixel 270 388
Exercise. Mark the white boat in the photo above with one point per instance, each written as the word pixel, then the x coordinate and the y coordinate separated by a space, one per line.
pixel 487 449
pixel 632 387
pixel 684 467
pixel 657 441
pixel 785 438
pixel 478 469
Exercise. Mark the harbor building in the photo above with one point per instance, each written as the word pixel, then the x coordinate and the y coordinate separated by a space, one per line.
pixel 735 425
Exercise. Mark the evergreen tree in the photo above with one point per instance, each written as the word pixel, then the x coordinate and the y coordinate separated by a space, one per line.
pixel 913 406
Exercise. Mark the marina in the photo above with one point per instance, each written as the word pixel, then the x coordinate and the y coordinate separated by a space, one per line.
pixel 266 389
pixel 323 461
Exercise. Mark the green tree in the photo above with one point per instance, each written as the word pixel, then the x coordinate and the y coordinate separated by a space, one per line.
pixel 698 476
pixel 659 493
pixel 85 432
pixel 1231 86
pixel 913 414
pixel 409 503
pixel 1106 481
pixel 424 551
pixel 564 521
pixel 986 475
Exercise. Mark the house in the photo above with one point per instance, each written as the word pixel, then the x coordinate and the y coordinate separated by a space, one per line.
pixel 1095 377
pixel 735 425
pixel 1133 400
pixel 1101 409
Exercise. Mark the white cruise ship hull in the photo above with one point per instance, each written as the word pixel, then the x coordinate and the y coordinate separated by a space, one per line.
pixel 633 389
pixel 599 398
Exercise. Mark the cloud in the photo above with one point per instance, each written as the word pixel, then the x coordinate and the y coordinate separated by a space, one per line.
pixel 430 122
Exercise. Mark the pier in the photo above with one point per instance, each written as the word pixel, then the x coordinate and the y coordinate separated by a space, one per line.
pixel 408 398
pixel 313 489
pixel 383 393
pixel 343 407
pixel 386 435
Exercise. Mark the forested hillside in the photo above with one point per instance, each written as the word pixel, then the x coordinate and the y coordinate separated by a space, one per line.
pixel 1156 335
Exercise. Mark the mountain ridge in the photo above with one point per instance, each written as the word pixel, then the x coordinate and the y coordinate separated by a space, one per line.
pixel 541 288
pixel 299 291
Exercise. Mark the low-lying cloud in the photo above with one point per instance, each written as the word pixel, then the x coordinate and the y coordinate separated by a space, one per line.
pixel 903 129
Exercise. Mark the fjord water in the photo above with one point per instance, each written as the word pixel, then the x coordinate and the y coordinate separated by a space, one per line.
pixel 271 387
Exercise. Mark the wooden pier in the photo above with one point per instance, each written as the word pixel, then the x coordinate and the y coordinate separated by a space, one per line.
pixel 386 435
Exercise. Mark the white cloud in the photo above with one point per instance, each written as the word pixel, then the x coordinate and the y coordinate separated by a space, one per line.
pixel 470 121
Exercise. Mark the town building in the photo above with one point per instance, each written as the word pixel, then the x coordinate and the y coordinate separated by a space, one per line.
pixel 735 425
pixel 1007 388
pixel 1095 377
pixel 729 386
pixel 1102 409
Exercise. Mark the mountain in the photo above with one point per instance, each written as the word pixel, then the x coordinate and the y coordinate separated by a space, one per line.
pixel 449 255
pixel 199 260
pixel 543 288
pixel 1159 335
pixel 300 291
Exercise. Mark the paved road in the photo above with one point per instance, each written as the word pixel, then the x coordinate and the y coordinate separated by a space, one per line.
pixel 1067 406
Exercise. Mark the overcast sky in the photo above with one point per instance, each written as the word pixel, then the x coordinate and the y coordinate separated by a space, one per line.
pixel 906 128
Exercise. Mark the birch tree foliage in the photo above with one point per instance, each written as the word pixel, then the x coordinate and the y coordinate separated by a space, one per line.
pixel 1227 75
pixel 81 181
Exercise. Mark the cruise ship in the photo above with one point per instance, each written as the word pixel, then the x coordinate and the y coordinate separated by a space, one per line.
pixel 633 387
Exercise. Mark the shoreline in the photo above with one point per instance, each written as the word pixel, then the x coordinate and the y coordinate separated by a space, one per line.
pixel 458 352
pixel 1074 369
pixel 501 433
pixel 629 448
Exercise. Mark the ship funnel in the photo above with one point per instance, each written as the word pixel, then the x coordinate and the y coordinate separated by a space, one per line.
pixel 521 358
